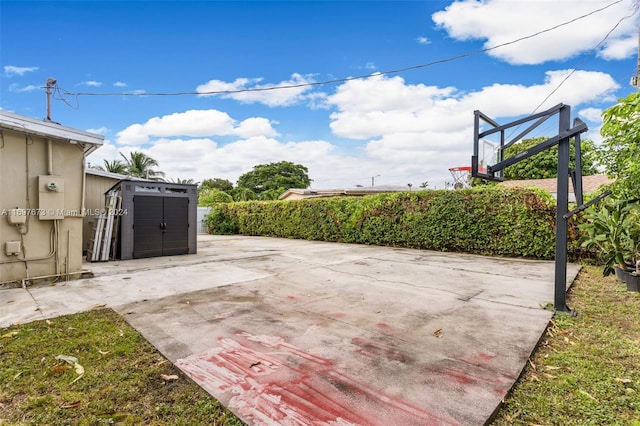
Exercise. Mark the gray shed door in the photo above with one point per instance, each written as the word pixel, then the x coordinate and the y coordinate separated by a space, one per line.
pixel 160 226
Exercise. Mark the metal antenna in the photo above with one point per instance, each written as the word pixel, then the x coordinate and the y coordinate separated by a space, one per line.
pixel 51 82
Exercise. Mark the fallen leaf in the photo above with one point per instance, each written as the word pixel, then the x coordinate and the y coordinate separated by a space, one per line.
pixel 79 369
pixel 49 322
pixel 61 368
pixel 549 376
pixel 121 333
pixel 77 378
pixel 9 334
pixel 623 380
pixel 532 365
pixel 75 404
pixel 67 358
pixel 169 377
pixel 551 367
pixel 17 375
pixel 103 352
pixel 438 333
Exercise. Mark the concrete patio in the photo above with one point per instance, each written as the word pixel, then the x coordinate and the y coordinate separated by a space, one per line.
pixel 290 332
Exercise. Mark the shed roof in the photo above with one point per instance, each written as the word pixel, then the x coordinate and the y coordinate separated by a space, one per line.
pixel 89 142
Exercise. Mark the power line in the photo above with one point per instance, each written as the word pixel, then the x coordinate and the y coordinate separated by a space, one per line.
pixel 584 60
pixel 346 79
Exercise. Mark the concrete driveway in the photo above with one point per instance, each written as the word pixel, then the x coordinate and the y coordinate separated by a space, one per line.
pixel 290 332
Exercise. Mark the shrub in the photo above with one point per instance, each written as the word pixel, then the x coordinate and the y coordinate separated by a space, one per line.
pixel 484 220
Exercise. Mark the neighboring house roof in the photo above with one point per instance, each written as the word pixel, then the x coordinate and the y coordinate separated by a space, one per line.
pixel 298 193
pixel 98 172
pixel 589 183
pixel 89 142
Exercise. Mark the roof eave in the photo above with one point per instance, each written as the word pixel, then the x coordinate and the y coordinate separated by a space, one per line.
pixel 89 142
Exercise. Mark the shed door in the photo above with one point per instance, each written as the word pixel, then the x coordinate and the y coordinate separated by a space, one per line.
pixel 160 226
pixel 176 226
pixel 147 226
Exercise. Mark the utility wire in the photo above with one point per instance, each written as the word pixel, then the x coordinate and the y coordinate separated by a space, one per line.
pixel 360 77
pixel 584 60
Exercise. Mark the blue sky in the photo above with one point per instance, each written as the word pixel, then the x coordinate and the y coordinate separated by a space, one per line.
pixel 401 127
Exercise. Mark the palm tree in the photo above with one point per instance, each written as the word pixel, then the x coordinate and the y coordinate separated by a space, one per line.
pixel 243 194
pixel 115 166
pixel 141 165
pixel 180 180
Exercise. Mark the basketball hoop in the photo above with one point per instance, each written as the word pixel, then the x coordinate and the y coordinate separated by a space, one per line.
pixel 461 177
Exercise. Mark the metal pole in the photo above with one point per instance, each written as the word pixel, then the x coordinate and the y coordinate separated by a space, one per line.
pixel 559 302
pixel 51 82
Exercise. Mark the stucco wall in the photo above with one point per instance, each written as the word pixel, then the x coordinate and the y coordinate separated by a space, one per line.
pixel 50 247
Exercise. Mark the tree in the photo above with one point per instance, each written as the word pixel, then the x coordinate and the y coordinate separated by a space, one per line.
pixel 243 194
pixel 545 164
pixel 209 197
pixel 141 165
pixel 621 146
pixel 217 183
pixel 282 175
pixel 270 194
pixel 114 166
pixel 183 181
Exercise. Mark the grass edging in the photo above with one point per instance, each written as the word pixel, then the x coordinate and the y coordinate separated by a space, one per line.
pixel 586 369
pixel 125 380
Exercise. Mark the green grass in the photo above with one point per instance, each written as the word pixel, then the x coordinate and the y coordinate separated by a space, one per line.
pixel 586 370
pixel 123 381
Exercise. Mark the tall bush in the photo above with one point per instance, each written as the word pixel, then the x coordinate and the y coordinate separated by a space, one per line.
pixel 485 220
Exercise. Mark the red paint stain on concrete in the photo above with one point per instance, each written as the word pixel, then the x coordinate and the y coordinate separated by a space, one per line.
pixel 267 381
pixel 383 326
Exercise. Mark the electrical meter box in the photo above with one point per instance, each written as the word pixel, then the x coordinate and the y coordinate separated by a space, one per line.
pixel 17 217
pixel 50 197
pixel 12 248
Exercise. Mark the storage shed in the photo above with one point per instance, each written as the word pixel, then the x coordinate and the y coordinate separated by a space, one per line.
pixel 154 219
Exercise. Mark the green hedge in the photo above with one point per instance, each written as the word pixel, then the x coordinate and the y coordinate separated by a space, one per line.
pixel 486 220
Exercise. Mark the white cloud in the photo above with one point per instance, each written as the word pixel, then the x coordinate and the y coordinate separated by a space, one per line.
pixel 11 70
pixel 423 40
pixel 120 84
pixel 249 91
pixel 99 131
pixel 499 22
pixel 426 130
pixel 255 126
pixel 16 88
pixel 405 133
pixel 591 114
pixel 621 48
pixel 91 83
pixel 193 123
